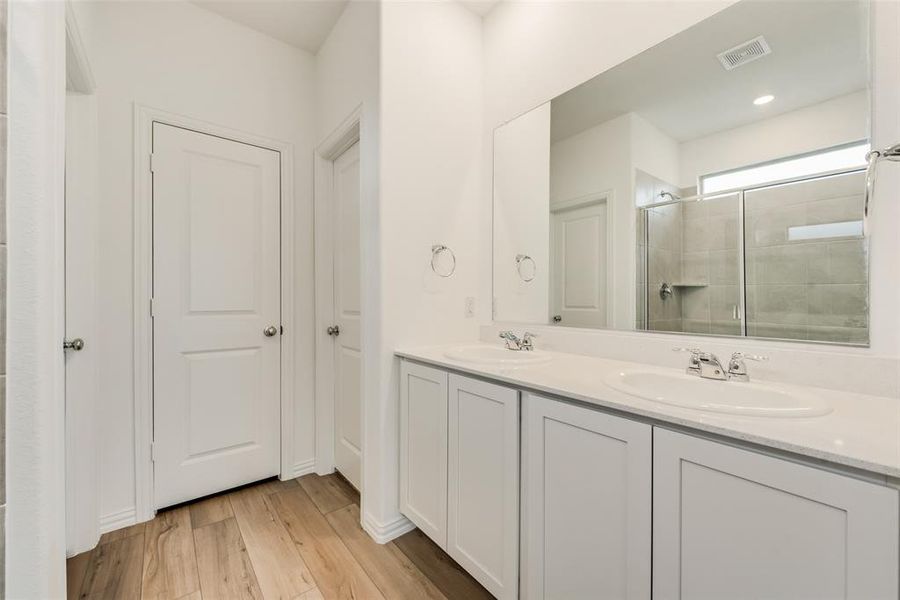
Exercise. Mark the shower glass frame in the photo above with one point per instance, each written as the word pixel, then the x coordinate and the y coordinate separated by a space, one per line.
pixel 642 322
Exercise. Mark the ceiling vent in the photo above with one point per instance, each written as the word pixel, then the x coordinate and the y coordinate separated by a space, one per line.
pixel 744 53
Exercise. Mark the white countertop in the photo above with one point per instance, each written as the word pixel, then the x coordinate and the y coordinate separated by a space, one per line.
pixel 862 431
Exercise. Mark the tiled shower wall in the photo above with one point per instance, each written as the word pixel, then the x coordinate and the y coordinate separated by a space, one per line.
pixel 711 292
pixel 804 289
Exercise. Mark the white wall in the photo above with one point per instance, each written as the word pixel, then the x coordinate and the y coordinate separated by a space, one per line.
pixel 652 151
pixel 596 161
pixel 183 59
pixel 522 172
pixel 35 545
pixel 347 79
pixel 831 123
pixel 432 185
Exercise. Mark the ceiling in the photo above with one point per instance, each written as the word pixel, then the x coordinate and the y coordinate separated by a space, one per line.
pixel 301 23
pixel 480 7
pixel 818 52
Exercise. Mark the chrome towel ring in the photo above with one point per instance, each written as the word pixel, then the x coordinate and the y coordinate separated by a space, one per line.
pixel 524 259
pixel 436 251
pixel 893 154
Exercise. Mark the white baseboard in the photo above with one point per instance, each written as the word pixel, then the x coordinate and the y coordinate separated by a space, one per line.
pixel 384 533
pixel 118 520
pixel 305 467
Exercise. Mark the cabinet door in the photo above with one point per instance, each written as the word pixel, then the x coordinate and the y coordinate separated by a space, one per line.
pixel 587 503
pixel 731 523
pixel 423 449
pixel 483 534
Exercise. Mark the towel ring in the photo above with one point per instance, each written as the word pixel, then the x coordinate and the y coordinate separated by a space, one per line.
pixel 893 154
pixel 522 258
pixel 436 251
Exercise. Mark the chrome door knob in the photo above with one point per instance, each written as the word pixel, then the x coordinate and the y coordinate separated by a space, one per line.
pixel 77 344
pixel 270 331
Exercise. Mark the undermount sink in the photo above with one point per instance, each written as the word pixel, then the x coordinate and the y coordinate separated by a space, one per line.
pixel 730 397
pixel 482 354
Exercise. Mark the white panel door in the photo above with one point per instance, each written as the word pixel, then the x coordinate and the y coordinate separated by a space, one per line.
pixel 730 523
pixel 483 483
pixel 216 290
pixel 423 449
pixel 579 257
pixel 587 503
pixel 82 472
pixel 347 348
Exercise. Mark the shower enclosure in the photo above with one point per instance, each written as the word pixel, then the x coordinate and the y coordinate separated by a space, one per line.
pixel 783 260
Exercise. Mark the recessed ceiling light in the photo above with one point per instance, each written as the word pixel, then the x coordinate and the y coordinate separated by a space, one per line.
pixel 764 99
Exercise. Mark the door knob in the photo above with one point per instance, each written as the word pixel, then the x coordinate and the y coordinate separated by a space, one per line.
pixel 270 331
pixel 334 330
pixel 77 344
pixel 557 318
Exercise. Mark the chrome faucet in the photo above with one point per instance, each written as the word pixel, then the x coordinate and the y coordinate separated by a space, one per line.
pixel 704 364
pixel 514 343
pixel 737 369
pixel 707 365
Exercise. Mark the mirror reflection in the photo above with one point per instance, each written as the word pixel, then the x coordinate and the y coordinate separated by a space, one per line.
pixel 712 185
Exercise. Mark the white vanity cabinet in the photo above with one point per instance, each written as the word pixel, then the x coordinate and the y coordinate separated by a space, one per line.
pixel 459 470
pixel 587 485
pixel 731 523
pixel 483 481
pixel 423 448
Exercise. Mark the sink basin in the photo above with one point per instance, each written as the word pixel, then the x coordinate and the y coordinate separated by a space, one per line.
pixel 499 356
pixel 731 397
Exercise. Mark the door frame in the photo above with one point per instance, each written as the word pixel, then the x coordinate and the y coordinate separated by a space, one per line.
pixel 606 197
pixel 336 143
pixel 144 118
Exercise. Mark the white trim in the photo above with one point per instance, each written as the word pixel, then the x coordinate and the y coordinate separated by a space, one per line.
pixel 344 136
pixel 79 77
pixel 384 533
pixel 144 117
pixel 35 425
pixel 304 467
pixel 117 520
pixel 579 201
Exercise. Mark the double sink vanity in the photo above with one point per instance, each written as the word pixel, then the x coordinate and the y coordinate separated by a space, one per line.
pixel 553 475
pixel 717 184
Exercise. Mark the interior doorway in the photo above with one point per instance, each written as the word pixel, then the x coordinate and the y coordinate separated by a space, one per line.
pixel 216 313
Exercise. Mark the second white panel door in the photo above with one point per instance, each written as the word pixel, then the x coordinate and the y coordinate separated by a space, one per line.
pixel 347 348
pixel 216 315
pixel 578 255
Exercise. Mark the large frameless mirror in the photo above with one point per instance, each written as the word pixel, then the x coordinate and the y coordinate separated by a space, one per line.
pixel 712 184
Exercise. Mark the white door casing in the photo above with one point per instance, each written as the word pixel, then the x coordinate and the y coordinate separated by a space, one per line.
pixel 216 288
pixel 587 503
pixel 347 311
pixel 579 260
pixel 728 519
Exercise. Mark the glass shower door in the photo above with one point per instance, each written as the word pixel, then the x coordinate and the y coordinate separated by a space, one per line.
pixel 806 260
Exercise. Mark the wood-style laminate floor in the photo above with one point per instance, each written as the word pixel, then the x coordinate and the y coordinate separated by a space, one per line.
pixel 297 539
